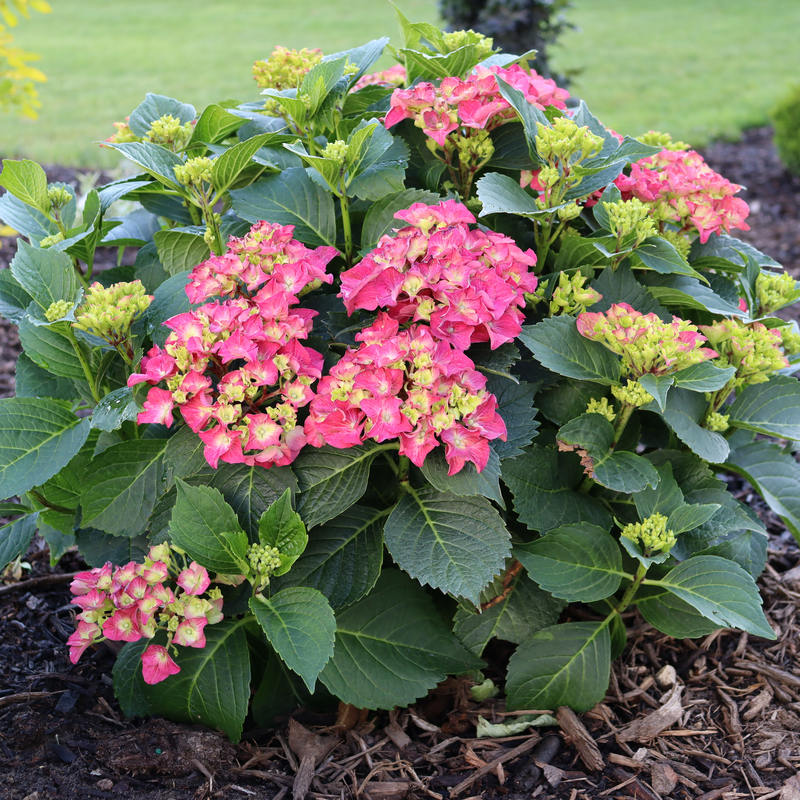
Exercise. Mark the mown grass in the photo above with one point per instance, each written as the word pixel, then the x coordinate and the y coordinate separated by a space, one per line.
pixel 700 69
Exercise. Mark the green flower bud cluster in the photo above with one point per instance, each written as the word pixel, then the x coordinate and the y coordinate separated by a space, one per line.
pixel 285 69
pixel 790 340
pixel 57 310
pixel 58 197
pixel 630 220
pixel 715 421
pixel 662 140
pixel 335 151
pixel 775 290
pixel 680 242
pixel 477 147
pixel 455 39
pixel 194 171
pixel 571 296
pixel 753 349
pixel 168 131
pixel 633 394
pixel 652 534
pixel 568 212
pixel 109 313
pixel 264 560
pixel 601 407
pixel 49 241
pixel 565 141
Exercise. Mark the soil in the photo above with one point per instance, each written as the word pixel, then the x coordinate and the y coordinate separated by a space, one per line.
pixel 712 719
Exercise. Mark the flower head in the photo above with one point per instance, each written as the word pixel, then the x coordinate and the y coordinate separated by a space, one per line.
pixel 109 313
pixel 651 533
pixel 157 664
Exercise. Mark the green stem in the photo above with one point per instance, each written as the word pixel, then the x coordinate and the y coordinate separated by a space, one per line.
pixel 630 592
pixel 622 420
pixel 87 370
pixel 402 473
pixel 346 228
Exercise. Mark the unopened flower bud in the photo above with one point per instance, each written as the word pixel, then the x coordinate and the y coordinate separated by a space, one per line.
pixel 335 151
pixel 168 131
pixel 109 313
pixel 49 241
pixel 285 69
pixel 633 394
pixel 715 421
pixel 662 140
pixel 194 172
pixel 569 212
pixel 630 219
pixel 57 310
pixel 775 290
pixel 601 407
pixel 58 196
pixel 652 534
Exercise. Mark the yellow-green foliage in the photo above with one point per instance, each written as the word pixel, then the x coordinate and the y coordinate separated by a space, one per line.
pixel 786 119
pixel 17 78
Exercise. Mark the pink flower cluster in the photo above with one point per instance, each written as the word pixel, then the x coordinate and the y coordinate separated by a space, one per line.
pixel 467 284
pixel 128 603
pixel 685 190
pixel 394 76
pixel 237 369
pixel 406 385
pixel 474 102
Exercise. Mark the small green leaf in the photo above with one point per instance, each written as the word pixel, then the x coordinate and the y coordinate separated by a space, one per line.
pixel 47 347
pixel 332 479
pixel 557 344
pixel 27 181
pixel 578 563
pixel 660 255
pixel 392 647
pixel 772 408
pixel 282 527
pixel 720 590
pixel 563 665
pixel 121 486
pixel 38 438
pixel 227 167
pixel 501 194
pixel 155 106
pixel 703 377
pixel 181 249
pixel 200 521
pixel 343 558
pixel 620 471
pixel 154 160
pixel 214 124
pixel 46 275
pixel 450 543
pixel 300 625
pixel 542 482
pixel 658 386
pixel 115 408
pixel 15 537
pixel 690 516
pixel 669 614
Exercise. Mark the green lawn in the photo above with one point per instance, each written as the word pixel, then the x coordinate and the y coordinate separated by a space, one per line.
pixel 698 68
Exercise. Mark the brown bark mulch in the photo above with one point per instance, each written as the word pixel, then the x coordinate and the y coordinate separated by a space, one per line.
pixel 711 719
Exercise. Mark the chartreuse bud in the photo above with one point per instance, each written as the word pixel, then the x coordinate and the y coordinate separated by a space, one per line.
pixel 455 39
pixel 285 69
pixel 775 290
pixel 651 534
pixel 565 141
pixel 680 242
pixel 264 560
pixel 572 296
pixel 109 313
pixel 601 407
pixel 335 151
pixel 754 350
pixel 57 310
pixel 634 394
pixel 662 140
pixel 168 131
pixel 630 220
pixel 49 241
pixel 478 146
pixel 568 212
pixel 58 197
pixel 194 171
pixel 715 421
pixel 790 340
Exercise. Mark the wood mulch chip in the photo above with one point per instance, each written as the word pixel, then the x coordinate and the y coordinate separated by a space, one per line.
pixel 711 719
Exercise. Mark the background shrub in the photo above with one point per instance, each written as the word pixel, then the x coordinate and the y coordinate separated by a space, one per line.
pixel 786 119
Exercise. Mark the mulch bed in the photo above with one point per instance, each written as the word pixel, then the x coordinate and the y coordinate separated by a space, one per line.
pixel 709 719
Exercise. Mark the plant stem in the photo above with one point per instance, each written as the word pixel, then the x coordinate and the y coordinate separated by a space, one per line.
pixel 622 420
pixel 630 592
pixel 402 473
pixel 87 370
pixel 346 228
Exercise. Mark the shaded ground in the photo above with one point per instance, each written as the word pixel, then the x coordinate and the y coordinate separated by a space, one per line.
pixel 710 719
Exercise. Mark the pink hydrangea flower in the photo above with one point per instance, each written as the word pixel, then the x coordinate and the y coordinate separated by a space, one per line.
pixel 86 634
pixel 229 363
pixel 194 580
pixel 410 386
pixel 189 633
pixel 468 285
pixel 157 664
pixel 394 76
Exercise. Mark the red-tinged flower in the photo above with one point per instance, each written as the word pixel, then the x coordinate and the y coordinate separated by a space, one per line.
pixel 93 600
pixel 155 573
pixel 157 408
pixel 194 579
pixel 86 634
pixel 157 664
pixel 384 418
pixel 157 369
pixel 123 626
pixel 97 578
pixel 124 575
pixel 418 443
pixel 195 608
pixel 262 431
pixel 236 346
pixel 214 614
pixel 197 411
pixel 219 444
pixel 462 445
pixel 394 76
pixel 163 594
pixel 189 633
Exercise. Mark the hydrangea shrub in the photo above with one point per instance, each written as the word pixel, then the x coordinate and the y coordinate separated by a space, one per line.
pixel 408 360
